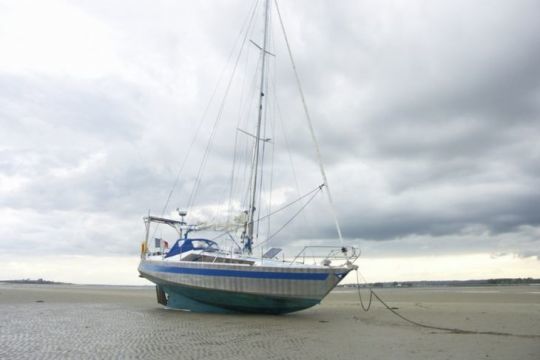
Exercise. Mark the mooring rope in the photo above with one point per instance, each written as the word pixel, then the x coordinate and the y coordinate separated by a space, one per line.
pixel 452 330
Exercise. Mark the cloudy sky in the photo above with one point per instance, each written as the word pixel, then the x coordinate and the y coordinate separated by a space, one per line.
pixel 427 114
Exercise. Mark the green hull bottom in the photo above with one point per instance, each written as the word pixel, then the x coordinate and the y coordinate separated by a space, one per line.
pixel 204 300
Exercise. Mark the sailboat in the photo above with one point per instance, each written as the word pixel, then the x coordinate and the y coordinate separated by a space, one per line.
pixel 198 274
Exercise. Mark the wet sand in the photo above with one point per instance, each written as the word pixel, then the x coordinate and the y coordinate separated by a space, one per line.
pixel 101 322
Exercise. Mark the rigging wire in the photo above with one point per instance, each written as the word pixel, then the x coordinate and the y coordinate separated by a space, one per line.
pixel 246 105
pixel 318 188
pixel 229 202
pixel 236 139
pixel 248 233
pixel 214 92
pixel 292 218
pixel 247 152
pixel 196 185
pixel 265 117
pixel 263 152
pixel 203 118
pixel 310 126
pixel 271 181
pixel 278 114
pixel 287 146
pixel 244 151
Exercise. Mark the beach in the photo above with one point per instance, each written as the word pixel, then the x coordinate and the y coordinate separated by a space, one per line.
pixel 112 322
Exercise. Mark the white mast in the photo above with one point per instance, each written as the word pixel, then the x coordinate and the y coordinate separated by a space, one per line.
pixel 251 210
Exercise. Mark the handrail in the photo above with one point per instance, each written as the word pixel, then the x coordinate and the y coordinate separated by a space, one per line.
pixel 337 253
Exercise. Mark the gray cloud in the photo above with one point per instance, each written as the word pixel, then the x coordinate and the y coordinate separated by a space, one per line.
pixel 427 114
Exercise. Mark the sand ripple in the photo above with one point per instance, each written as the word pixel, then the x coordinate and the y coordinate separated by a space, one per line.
pixel 109 323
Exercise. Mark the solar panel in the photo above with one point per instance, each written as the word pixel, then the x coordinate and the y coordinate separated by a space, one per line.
pixel 270 254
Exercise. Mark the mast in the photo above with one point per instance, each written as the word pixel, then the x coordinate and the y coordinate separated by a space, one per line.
pixel 253 198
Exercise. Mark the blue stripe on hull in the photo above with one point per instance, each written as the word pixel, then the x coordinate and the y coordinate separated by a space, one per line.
pixel 204 300
pixel 236 273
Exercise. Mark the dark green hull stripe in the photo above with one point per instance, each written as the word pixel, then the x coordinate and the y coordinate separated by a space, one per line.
pixel 204 300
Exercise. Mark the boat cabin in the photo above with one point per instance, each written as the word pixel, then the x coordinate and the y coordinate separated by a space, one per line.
pixel 201 250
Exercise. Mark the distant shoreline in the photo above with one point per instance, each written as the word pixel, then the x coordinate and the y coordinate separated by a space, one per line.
pixel 389 284
pixel 35 282
pixel 448 283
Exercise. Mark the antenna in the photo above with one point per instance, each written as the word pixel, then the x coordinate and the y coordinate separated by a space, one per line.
pixel 182 214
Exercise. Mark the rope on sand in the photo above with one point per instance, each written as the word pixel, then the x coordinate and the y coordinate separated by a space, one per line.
pixel 451 330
